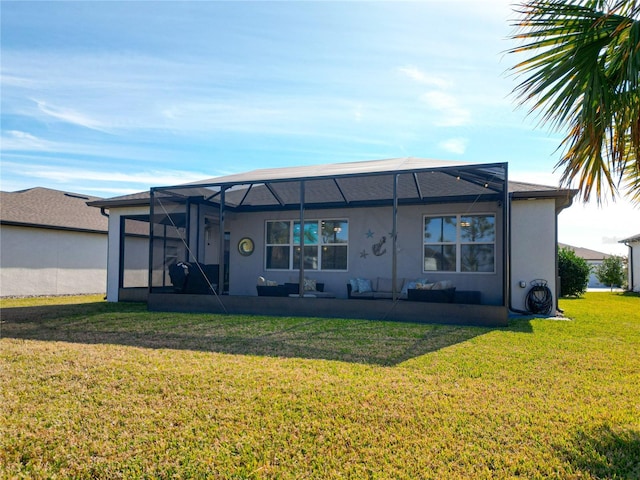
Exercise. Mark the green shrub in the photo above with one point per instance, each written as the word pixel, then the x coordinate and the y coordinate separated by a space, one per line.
pixel 574 273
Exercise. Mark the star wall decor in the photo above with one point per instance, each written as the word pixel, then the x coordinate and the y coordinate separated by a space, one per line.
pixel 363 254
pixel 369 234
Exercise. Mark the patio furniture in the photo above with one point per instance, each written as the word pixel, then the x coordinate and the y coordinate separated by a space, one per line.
pixel 192 277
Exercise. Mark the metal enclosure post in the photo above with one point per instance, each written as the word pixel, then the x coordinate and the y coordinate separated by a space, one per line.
pixel 301 275
pixel 506 244
pixel 394 253
pixel 221 265
pixel 151 222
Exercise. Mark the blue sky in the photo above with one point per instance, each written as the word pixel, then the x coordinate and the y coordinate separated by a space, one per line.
pixel 108 98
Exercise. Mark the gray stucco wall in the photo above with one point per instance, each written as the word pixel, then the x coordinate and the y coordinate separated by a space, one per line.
pixel 39 261
pixel 533 247
pixel 366 227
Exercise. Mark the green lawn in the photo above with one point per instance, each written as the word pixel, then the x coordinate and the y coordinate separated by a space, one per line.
pixel 97 390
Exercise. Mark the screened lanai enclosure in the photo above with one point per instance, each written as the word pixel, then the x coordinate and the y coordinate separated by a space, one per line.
pixel 214 242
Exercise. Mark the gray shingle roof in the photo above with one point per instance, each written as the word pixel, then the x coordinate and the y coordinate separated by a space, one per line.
pixel 355 182
pixel 49 208
pixel 140 198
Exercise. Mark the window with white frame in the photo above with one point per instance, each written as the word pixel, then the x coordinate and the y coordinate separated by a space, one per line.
pixel 459 243
pixel 326 244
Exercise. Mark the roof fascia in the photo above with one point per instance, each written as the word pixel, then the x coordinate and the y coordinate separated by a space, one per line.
pixel 563 198
pixel 51 227
pixel 119 203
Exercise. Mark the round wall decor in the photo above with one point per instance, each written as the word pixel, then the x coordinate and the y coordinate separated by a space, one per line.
pixel 245 246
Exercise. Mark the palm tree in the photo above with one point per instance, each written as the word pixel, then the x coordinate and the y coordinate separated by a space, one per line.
pixel 583 73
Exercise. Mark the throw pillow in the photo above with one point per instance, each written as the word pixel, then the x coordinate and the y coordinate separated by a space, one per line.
pixel 364 285
pixel 408 285
pixel 309 285
pixel 354 285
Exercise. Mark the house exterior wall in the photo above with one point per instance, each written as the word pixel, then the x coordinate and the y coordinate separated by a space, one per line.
pixel 367 226
pixel 40 261
pixel 533 244
pixel 533 248
pixel 593 279
pixel 113 257
pixel 634 267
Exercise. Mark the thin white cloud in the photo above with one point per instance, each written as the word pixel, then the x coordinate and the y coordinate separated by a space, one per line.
pixel 414 73
pixel 61 174
pixel 454 145
pixel 439 100
pixel 358 113
pixel 19 140
pixel 70 116
pixel 450 113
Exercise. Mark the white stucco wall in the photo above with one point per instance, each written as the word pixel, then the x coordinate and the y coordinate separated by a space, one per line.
pixel 113 257
pixel 533 247
pixel 634 267
pixel 39 261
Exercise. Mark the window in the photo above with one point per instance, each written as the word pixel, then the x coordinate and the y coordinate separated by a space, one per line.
pixel 325 245
pixel 459 243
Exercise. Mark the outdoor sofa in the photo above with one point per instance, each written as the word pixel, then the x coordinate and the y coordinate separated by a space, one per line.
pixel 419 290
pixel 267 288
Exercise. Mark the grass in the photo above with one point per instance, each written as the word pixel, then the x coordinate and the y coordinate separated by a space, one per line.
pixel 97 390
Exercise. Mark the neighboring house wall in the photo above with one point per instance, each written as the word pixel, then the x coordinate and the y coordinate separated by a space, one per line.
pixel 593 279
pixel 593 258
pixel 634 266
pixel 44 261
pixel 533 248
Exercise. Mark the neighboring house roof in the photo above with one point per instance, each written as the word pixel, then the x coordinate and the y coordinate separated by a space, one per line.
pixel 585 253
pixel 350 175
pixel 47 208
pixel 634 238
pixel 140 198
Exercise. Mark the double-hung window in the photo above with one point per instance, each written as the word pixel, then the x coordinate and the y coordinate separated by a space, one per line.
pixel 325 244
pixel 459 243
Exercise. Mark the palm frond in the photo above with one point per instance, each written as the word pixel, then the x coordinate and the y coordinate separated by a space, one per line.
pixel 584 76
